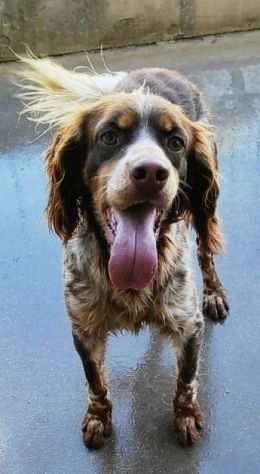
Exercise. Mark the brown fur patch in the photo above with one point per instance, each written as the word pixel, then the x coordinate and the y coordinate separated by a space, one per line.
pixel 126 120
pixel 165 122
pixel 120 108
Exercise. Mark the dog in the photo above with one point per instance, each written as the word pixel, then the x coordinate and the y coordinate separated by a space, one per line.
pixel 132 165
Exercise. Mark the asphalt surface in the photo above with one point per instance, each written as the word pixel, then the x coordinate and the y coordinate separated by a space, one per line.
pixel 42 393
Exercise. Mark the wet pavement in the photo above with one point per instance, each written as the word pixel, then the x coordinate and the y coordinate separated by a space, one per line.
pixel 42 396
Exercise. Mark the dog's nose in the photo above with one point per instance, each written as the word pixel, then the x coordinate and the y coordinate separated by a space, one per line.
pixel 149 175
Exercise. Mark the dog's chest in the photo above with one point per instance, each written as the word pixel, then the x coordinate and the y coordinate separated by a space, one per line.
pixel 94 305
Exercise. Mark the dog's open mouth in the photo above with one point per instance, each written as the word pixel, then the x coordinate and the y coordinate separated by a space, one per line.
pixel 132 234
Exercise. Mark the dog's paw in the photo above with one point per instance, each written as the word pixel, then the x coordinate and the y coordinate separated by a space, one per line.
pixel 188 423
pixel 96 430
pixel 215 306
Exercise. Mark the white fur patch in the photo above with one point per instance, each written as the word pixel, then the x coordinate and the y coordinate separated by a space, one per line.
pixel 52 94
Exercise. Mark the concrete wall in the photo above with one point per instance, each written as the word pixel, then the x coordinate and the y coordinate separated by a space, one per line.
pixel 63 26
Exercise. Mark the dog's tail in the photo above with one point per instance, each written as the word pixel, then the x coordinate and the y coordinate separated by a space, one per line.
pixel 51 94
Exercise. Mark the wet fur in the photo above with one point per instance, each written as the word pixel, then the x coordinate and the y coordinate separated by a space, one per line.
pixel 76 202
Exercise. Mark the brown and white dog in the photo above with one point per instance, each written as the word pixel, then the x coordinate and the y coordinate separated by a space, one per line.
pixel 132 164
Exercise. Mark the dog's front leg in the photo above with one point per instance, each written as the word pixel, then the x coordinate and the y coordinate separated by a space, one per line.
pixel 97 423
pixel 215 303
pixel 188 416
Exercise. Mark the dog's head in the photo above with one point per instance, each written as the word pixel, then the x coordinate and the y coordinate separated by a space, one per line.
pixel 136 162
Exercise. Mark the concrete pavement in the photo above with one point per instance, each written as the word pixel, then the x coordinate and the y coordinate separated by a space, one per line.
pixel 42 396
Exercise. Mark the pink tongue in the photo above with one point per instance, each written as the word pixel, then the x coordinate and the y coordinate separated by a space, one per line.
pixel 133 256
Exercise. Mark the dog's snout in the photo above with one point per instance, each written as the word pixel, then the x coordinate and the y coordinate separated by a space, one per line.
pixel 149 174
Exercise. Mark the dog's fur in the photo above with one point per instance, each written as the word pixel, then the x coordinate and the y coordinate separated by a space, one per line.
pixel 142 111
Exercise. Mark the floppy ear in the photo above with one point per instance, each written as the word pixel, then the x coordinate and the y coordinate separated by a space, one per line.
pixel 203 191
pixel 64 163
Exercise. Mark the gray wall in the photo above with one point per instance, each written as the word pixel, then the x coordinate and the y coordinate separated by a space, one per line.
pixel 63 26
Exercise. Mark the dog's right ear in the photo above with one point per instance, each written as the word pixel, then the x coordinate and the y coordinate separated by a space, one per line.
pixel 64 163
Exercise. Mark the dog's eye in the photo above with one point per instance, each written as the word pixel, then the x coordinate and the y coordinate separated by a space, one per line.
pixel 109 138
pixel 175 143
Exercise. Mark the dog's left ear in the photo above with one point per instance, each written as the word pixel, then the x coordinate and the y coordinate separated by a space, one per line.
pixel 203 189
